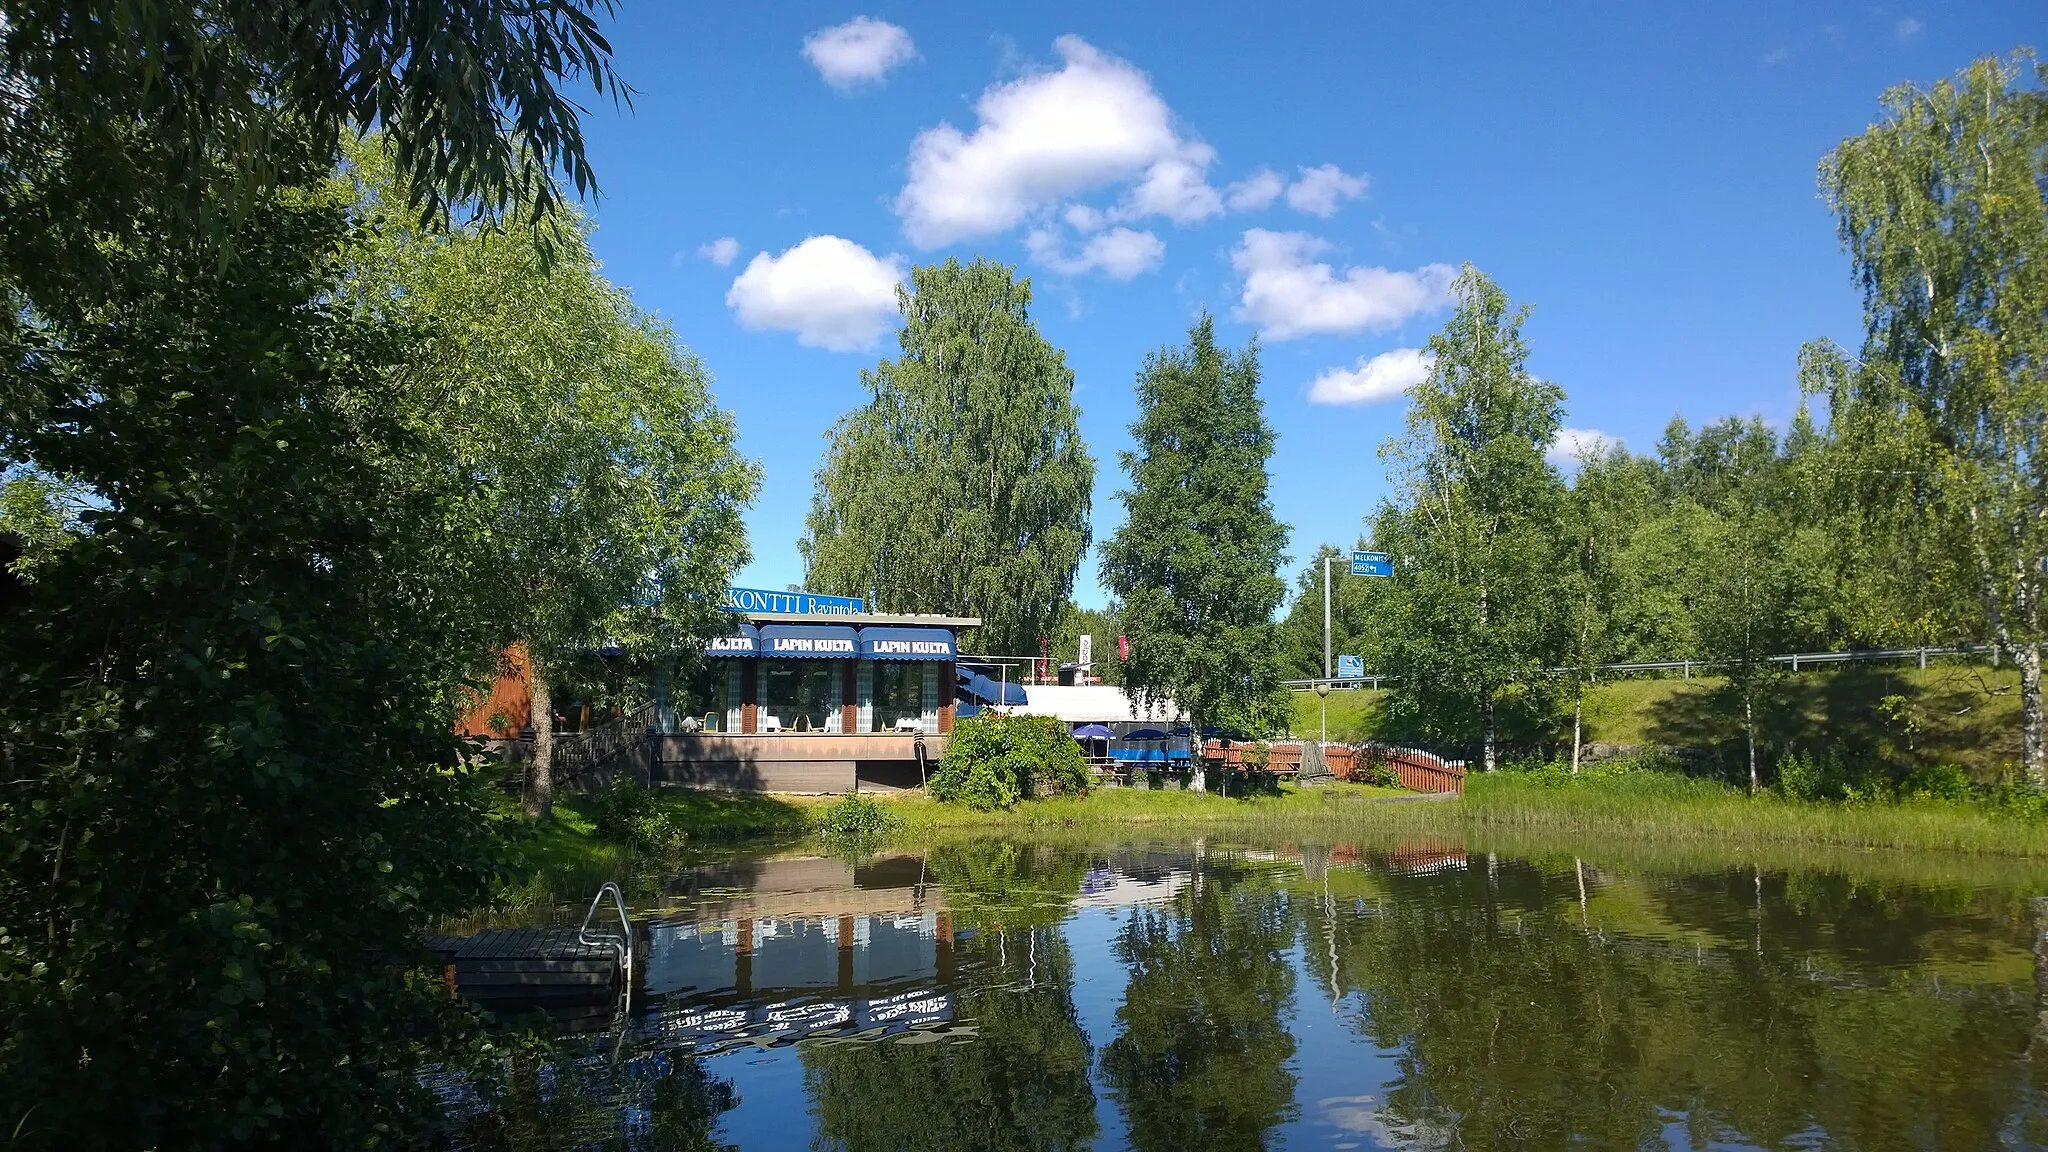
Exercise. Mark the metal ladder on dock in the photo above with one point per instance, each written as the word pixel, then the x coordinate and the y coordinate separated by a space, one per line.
pixel 620 942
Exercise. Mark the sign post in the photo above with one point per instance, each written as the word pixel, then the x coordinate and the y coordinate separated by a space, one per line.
pixel 1362 564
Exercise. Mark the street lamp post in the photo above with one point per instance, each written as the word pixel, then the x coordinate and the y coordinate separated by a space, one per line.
pixel 1323 691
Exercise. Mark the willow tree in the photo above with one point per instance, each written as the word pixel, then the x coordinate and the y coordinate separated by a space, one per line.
pixel 1472 610
pixel 1941 206
pixel 1196 564
pixel 962 485
pixel 606 488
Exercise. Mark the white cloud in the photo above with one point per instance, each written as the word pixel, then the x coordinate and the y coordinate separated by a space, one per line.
pixel 1082 218
pixel 721 251
pixel 1119 253
pixel 1572 444
pixel 1383 377
pixel 1321 190
pixel 860 51
pixel 1777 56
pixel 1287 294
pixel 1255 191
pixel 1907 29
pixel 1050 135
pixel 832 293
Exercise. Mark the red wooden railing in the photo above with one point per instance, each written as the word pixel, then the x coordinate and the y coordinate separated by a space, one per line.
pixel 1417 770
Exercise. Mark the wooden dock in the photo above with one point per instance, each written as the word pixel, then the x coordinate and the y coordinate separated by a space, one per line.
pixel 535 965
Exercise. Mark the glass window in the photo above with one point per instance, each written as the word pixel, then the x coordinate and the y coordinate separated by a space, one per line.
pixel 725 695
pixel 899 694
pixel 799 695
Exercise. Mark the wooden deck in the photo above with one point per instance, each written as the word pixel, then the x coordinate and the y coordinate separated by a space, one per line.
pixel 530 964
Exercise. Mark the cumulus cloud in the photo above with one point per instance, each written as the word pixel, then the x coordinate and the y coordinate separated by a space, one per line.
pixel 721 251
pixel 1574 444
pixel 1321 190
pixel 1255 191
pixel 860 51
pixel 1289 294
pixel 832 293
pixel 1119 253
pixel 1906 29
pixel 1383 377
pixel 1049 135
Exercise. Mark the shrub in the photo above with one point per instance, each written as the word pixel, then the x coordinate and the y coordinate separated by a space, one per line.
pixel 856 817
pixel 1936 782
pixel 993 761
pixel 629 815
pixel 1256 756
pixel 1803 777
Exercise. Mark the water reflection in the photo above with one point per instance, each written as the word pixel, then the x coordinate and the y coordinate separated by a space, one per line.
pixel 1004 995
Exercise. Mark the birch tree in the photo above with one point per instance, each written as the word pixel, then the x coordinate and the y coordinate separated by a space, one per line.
pixel 1196 564
pixel 1941 207
pixel 1471 611
pixel 962 485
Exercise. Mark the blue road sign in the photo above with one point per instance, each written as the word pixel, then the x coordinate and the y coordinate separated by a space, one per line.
pixel 1371 564
pixel 1350 667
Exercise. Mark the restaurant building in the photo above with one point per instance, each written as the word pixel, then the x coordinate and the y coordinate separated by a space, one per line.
pixel 810 693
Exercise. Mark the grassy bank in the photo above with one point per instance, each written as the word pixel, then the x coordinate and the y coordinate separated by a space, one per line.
pixel 1964 714
pixel 562 860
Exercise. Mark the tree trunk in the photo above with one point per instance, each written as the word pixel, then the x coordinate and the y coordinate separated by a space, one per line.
pixel 2033 750
pixel 1197 774
pixel 540 771
pixel 1749 727
pixel 1486 750
pixel 1578 710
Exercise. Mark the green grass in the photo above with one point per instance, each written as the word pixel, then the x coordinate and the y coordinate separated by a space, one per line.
pixel 1956 713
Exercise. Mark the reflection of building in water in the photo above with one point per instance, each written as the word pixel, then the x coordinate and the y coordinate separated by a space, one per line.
pixel 773 978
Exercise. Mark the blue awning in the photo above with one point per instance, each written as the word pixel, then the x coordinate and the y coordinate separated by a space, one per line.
pixel 810 641
pixel 746 641
pixel 899 643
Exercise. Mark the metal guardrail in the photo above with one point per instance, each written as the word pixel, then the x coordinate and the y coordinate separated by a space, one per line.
pixel 1795 659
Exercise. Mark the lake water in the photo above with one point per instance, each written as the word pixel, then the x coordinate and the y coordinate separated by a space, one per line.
pixel 997 995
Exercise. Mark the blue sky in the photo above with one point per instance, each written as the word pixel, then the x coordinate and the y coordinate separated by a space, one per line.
pixel 1641 175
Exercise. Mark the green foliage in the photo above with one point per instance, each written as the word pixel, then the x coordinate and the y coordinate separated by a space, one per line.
pixel 40 512
pixel 1195 564
pixel 632 817
pixel 233 802
pixel 856 816
pixel 1936 782
pixel 121 90
pixel 1470 617
pixel 993 761
pixel 962 486
pixel 1940 205
pixel 1256 756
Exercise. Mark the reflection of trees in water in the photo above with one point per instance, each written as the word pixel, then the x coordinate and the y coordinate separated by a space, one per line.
pixel 1520 1025
pixel 992 882
pixel 1020 1083
pixel 655 1102
pixel 1200 1061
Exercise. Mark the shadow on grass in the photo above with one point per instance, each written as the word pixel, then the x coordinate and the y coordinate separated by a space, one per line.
pixel 1893 717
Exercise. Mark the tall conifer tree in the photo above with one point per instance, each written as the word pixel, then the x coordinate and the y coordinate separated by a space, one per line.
pixel 1196 562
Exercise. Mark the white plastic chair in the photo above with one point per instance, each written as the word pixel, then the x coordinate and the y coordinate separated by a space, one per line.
pixel 770 723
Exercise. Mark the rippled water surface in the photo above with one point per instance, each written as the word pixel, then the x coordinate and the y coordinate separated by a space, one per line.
pixel 1203 995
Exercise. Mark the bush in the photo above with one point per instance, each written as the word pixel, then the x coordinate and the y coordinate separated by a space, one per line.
pixel 629 815
pixel 856 817
pixel 1256 756
pixel 1936 782
pixel 1803 777
pixel 993 761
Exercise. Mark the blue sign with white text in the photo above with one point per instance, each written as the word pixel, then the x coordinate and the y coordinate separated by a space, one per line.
pixel 1371 564
pixel 1350 667
pixel 795 603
